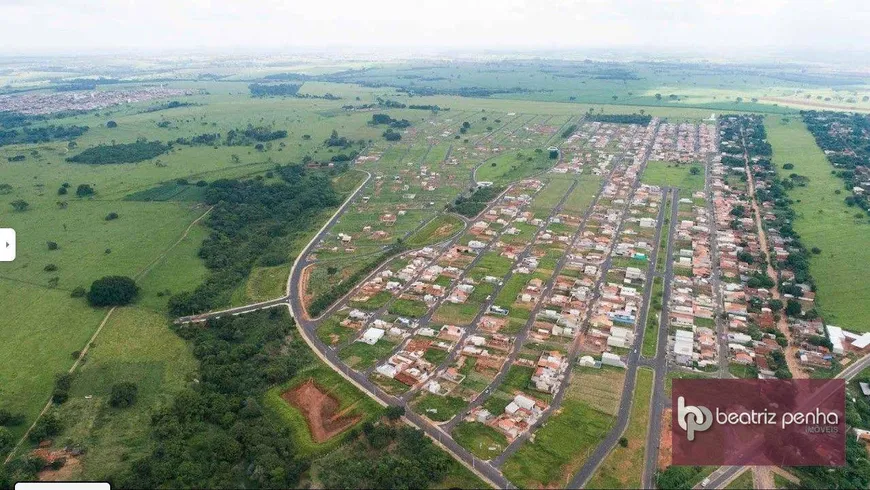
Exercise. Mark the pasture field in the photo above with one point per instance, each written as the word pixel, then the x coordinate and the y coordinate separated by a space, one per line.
pixel 136 346
pixel 824 220
pixel 671 174
pixel 623 467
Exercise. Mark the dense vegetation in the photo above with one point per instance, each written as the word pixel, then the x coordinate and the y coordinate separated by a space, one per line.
pixel 251 134
pixel 472 205
pixel 385 457
pixel 113 291
pixel 641 119
pixel 271 90
pixel 216 434
pixel 45 134
pixel 120 153
pixel 247 218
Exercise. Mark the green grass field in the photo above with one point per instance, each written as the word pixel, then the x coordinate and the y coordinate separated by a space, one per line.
pixel 135 345
pixel 623 467
pixel 824 221
pixel 439 229
pixel 674 175
pixel 482 440
pixel 560 447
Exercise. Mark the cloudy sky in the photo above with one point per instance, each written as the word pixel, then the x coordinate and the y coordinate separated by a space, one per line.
pixel 38 26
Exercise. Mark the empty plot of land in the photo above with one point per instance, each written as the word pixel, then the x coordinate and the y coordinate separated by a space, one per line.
pixel 601 389
pixel 321 411
pixel 672 174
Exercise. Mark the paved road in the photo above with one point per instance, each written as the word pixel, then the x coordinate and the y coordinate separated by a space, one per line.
pixel 632 363
pixel 558 398
pixel 660 362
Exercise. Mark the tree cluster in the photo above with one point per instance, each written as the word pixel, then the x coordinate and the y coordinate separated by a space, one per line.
pixel 217 435
pixel 45 134
pixel 273 90
pixel 120 153
pixel 247 218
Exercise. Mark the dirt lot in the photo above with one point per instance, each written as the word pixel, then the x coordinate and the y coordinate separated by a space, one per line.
pixel 67 472
pixel 320 411
pixel 665 440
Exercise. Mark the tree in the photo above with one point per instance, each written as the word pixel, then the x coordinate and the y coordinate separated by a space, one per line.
pixel 775 305
pixel 62 191
pixel 123 394
pixel 20 205
pixel 84 190
pixel 6 440
pixel 695 170
pixel 52 245
pixel 793 308
pixel 9 419
pixel 112 216
pixel 113 291
pixel 658 96
pixel 48 426
pixel 394 412
pixel 623 442
pixel 111 124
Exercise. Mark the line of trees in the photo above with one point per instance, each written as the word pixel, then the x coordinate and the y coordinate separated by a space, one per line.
pixel 45 134
pixel 272 90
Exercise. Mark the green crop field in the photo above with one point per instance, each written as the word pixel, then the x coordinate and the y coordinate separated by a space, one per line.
pixel 825 221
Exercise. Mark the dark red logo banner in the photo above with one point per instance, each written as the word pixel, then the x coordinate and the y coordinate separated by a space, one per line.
pixel 755 422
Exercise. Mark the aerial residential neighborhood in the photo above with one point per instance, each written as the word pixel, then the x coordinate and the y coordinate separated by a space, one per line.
pixel 435 245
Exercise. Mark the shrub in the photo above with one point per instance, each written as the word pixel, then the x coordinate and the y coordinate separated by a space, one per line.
pixel 52 245
pixel 48 426
pixel 78 292
pixel 62 385
pixel 50 268
pixel 112 216
pixel 123 394
pixel 84 190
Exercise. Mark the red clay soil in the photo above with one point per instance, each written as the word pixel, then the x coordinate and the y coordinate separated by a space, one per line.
pixel 665 449
pixel 320 411
pixel 67 472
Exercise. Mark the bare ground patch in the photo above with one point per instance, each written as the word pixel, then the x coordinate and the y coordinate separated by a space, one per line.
pixel 321 411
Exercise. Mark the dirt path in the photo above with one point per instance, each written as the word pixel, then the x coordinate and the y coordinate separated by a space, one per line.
pixel 791 350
